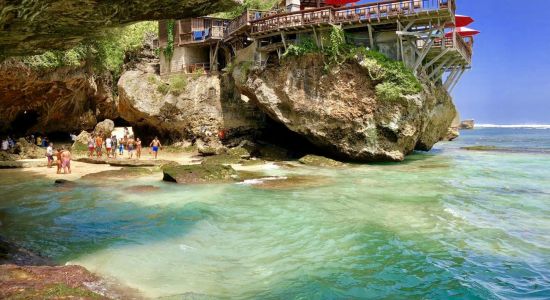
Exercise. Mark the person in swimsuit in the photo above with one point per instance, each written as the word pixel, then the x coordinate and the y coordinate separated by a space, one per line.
pixel 98 145
pixel 58 162
pixel 91 146
pixel 66 161
pixel 108 146
pixel 155 144
pixel 121 147
pixel 115 146
pixel 138 148
pixel 131 145
pixel 49 154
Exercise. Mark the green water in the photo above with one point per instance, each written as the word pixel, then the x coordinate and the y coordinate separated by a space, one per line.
pixel 449 224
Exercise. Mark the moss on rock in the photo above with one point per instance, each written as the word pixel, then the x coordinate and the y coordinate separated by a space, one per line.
pixel 203 173
pixel 320 161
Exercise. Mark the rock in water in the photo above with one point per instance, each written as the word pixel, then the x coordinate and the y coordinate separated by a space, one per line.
pixel 340 113
pixel 467 124
pixel 204 173
pixel 320 161
pixel 105 127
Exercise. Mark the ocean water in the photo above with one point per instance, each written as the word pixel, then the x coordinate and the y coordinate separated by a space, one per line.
pixel 448 224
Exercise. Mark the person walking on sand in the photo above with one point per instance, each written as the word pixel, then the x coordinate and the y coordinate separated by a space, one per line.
pixel 66 161
pixel 49 154
pixel 108 146
pixel 91 146
pixel 98 145
pixel 138 148
pixel 58 162
pixel 155 144
pixel 131 147
pixel 121 147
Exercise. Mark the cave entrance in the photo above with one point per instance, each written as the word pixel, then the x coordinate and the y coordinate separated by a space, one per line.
pixel 24 122
pixel 278 134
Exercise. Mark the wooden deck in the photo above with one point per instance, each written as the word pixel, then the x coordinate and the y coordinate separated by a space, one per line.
pixel 362 15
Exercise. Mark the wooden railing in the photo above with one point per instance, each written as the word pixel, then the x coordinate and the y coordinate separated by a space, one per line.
pixel 455 42
pixel 244 20
pixel 365 12
pixel 212 32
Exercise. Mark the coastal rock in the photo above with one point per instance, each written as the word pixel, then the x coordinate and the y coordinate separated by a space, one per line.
pixel 467 124
pixel 81 143
pixel 30 27
pixel 27 150
pixel 213 147
pixel 105 127
pixel 320 161
pixel 340 113
pixel 183 106
pixel 196 174
pixel 65 99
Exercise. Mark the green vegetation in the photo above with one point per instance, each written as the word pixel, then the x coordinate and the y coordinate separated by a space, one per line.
pixel 392 78
pixel 103 54
pixel 169 50
pixel 247 4
pixel 178 84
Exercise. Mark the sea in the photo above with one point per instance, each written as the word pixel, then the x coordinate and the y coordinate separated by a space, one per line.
pixel 468 220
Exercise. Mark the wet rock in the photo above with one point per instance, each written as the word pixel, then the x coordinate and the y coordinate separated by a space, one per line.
pixel 320 161
pixel 240 152
pixel 23 164
pixel 196 174
pixel 288 183
pixel 142 189
pixel 11 253
pixel 452 134
pixel 122 174
pixel 94 161
pixel 139 163
pixel 64 182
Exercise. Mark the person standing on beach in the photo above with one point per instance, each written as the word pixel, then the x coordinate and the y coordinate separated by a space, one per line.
pixel 98 145
pixel 155 144
pixel 131 145
pixel 108 146
pixel 121 147
pixel 58 162
pixel 66 161
pixel 49 154
pixel 91 146
pixel 115 145
pixel 138 148
pixel 39 141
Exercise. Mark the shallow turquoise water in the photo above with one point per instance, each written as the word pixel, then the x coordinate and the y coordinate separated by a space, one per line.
pixel 449 224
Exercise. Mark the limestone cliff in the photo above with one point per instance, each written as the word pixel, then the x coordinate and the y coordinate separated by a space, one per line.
pixel 182 106
pixel 63 99
pixel 339 111
pixel 30 27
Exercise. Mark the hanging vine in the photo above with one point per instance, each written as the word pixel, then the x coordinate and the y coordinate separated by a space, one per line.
pixel 170 29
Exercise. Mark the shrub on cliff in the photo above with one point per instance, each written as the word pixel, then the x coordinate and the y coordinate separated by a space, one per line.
pixel 105 54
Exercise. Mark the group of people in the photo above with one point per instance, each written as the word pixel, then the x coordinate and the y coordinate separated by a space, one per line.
pixel 112 145
pixel 63 157
pixel 7 143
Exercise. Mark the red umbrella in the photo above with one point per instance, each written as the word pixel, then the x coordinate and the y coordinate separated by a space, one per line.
pixel 340 2
pixel 461 21
pixel 463 32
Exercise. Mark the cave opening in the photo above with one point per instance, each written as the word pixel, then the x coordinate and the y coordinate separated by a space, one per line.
pixel 24 122
pixel 279 135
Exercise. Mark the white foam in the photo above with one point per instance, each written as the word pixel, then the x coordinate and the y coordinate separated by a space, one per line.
pixel 535 126
pixel 261 180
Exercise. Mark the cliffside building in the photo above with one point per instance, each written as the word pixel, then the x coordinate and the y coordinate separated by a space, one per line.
pixel 426 35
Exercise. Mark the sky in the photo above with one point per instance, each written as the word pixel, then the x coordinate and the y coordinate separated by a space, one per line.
pixel 509 82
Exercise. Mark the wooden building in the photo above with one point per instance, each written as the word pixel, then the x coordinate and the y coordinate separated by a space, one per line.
pixel 421 33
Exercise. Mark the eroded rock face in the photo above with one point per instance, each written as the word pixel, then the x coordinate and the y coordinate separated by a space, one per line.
pixel 197 112
pixel 340 113
pixel 64 99
pixel 31 27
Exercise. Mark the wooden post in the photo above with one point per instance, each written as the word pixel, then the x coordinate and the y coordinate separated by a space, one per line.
pixel 284 40
pixel 436 70
pixel 452 87
pixel 371 36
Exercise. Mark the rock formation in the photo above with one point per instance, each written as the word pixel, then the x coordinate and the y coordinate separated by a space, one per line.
pixel 339 112
pixel 31 27
pixel 467 124
pixel 64 99
pixel 196 108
